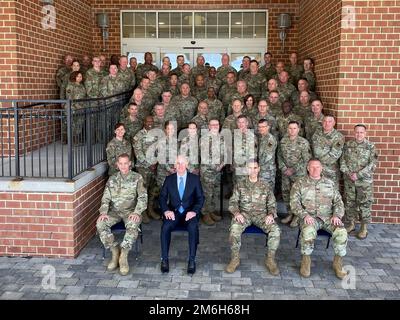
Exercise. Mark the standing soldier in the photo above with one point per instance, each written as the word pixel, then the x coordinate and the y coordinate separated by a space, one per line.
pixel 133 124
pixel 65 80
pixel 309 73
pixel 264 114
pixel 302 85
pixel 303 108
pixel 65 69
pixel 275 105
pixel 185 77
pixel 327 146
pixel 200 68
pixel 314 123
pixel 117 146
pixel 318 204
pixel 93 79
pixel 201 119
pixel 266 148
pixel 199 91
pixel 295 70
pixel 215 107
pixel 111 85
pixel 180 60
pixel 124 198
pixel 358 164
pixel 253 202
pixel 227 91
pixel 268 69
pixel 142 69
pixel 212 162
pixel 245 70
pixel 293 155
pixel 284 118
pixel 255 80
pixel 223 70
pixel 285 88
pixel 213 81
pixel 125 74
pixel 142 142
pixel 172 85
pixel 159 116
pixel 186 104
pixel 189 147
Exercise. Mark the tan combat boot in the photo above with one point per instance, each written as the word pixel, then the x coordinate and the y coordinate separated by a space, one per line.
pixel 351 226
pixel 337 267
pixel 145 217
pixel 113 264
pixel 362 234
pixel 270 263
pixel 295 222
pixel 215 216
pixel 305 266
pixel 123 262
pixel 206 218
pixel 233 264
pixel 287 219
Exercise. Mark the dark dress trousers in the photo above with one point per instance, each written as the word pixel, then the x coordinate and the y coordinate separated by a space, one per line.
pixel 193 200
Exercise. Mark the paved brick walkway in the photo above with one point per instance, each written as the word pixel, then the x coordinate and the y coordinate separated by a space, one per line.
pixel 376 262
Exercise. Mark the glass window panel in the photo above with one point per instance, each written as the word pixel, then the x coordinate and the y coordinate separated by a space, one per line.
pixel 127 32
pixel 127 18
pixel 236 32
pixel 163 19
pixel 187 32
pixel 139 18
pixel 223 32
pixel 211 32
pixel 163 31
pixel 175 32
pixel 140 32
pixel 151 32
pixel 151 19
pixel 199 19
pixel 236 19
pixel 248 18
pixel 186 18
pixel 175 18
pixel 260 19
pixel 248 32
pixel 260 32
pixel 212 18
pixel 200 32
pixel 223 18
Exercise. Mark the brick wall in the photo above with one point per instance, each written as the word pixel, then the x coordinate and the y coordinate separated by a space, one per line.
pixel 49 224
pixel 358 78
pixel 275 7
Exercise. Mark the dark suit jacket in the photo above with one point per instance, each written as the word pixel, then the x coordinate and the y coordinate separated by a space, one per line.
pixel 193 196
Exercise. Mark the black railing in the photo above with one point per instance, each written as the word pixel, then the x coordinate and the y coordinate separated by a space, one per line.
pixel 56 138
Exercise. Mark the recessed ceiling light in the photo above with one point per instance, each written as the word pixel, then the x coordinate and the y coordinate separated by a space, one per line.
pixel 161 22
pixel 238 22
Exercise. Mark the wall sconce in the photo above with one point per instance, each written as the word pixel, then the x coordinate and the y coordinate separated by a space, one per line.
pixel 103 23
pixel 284 23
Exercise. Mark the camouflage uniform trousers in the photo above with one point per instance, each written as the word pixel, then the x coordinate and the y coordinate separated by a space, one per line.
pixel 236 229
pixel 332 173
pixel 359 200
pixel 287 183
pixel 107 237
pixel 211 182
pixel 149 183
pixel 309 233
pixel 269 177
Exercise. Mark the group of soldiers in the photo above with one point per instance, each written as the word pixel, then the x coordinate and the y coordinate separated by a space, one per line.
pixel 225 117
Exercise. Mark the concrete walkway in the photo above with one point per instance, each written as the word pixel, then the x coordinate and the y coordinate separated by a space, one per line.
pixel 375 261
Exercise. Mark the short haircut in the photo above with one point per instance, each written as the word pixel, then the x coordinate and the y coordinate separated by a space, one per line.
pixel 169 122
pixel 314 159
pixel 132 104
pixel 268 53
pixel 173 74
pixel 242 116
pixel 294 122
pixel 254 61
pixel 360 125
pixel 213 119
pixel 273 91
pixel 192 122
pixel 124 155
pixel 180 56
pixel 119 124
pixel 246 57
pixel 311 59
pixel 261 121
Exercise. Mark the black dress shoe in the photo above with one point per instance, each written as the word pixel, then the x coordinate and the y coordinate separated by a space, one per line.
pixel 164 266
pixel 191 267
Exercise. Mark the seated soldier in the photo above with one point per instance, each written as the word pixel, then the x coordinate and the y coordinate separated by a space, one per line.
pixel 124 198
pixel 253 202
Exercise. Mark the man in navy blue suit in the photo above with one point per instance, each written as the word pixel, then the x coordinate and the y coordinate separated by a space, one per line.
pixel 181 200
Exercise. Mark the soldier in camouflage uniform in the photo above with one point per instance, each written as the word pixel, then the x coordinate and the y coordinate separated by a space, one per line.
pixel 240 94
pixel 201 119
pixel 133 124
pixel 171 113
pixel 93 79
pixel 212 148
pixel 163 78
pixel 358 164
pixel 189 147
pixel 275 104
pixel 223 70
pixel 302 85
pixel 255 80
pixel 266 148
pixel 186 104
pixel 63 70
pixel 142 69
pixel 199 91
pixel 314 123
pixel 215 107
pixel 327 145
pixel 213 81
pixel 124 198
pixel 285 117
pixel 227 91
pixel 318 204
pixel 86 63
pixel 65 80
pixel 133 65
pixel 155 88
pixel 264 114
pixel 116 147
pixel 111 85
pixel 268 69
pixel 180 60
pixel 253 202
pixel 125 74
pixel 285 88
pixel 269 86
pixel 249 106
pixel 303 109
pixel 159 116
pixel 200 68
pixel 279 67
pixel 293 155
pixel 230 121
pixel 143 145
pixel 143 106
pixel 309 73
pixel 295 70
pixel 172 85
pixel 242 74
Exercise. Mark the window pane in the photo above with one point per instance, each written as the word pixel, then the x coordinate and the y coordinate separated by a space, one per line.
pixel 187 32
pixel 163 31
pixel 211 32
pixel 151 19
pixel 139 18
pixel 163 19
pixel 200 32
pixel 260 32
pixel 127 32
pixel 223 32
pixel 127 18
pixel 260 19
pixel 199 19
pixel 247 31
pixel 236 18
pixel 248 18
pixel 223 18
pixel 186 18
pixel 175 18
pixel 212 18
pixel 140 32
pixel 151 32
pixel 175 31
pixel 236 31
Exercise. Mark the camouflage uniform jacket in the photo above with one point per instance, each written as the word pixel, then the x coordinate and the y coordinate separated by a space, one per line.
pixel 142 69
pixel 286 91
pixel 187 107
pixel 303 111
pixel 115 148
pixel 309 75
pixel 360 158
pixel 328 147
pixel 110 86
pixel 225 94
pixel 268 71
pixel 189 147
pixel 317 198
pixel 141 143
pixel 266 147
pixel 177 71
pixel 61 72
pixel 127 77
pixel 295 72
pixel 214 83
pixel 295 98
pixel 124 195
pixel 159 122
pixel 93 82
pixel 201 122
pixel 76 91
pixel 203 70
pixel 216 110
pixel 255 84
pixel 294 154
pixel 199 93
pixel 313 124
pixel 273 127
pixel 131 127
pixel 283 124
pixel 222 72
pixel 242 74
pixel 253 198
pixel 212 151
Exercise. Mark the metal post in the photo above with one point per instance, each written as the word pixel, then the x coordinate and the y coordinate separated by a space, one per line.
pixel 70 142
pixel 88 120
pixel 16 140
